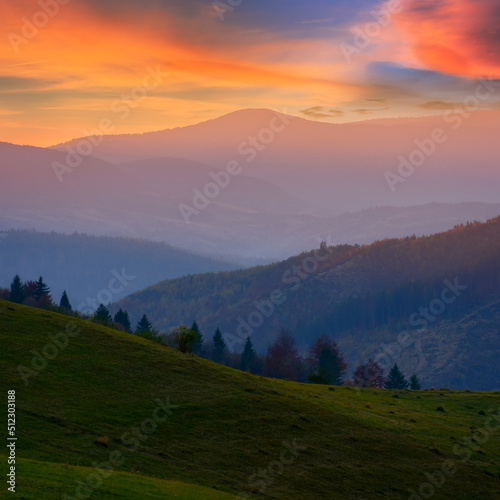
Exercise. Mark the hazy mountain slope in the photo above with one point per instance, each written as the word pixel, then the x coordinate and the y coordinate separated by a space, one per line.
pixel 85 265
pixel 338 166
pixel 169 416
pixel 316 287
pixel 160 199
pixel 141 200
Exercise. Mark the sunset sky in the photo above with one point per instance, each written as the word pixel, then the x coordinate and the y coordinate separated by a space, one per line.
pixel 65 71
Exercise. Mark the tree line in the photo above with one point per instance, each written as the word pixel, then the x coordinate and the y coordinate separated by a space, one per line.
pixel 322 363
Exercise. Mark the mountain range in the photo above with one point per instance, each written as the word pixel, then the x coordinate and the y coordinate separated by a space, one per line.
pixel 95 269
pixel 444 289
pixel 256 184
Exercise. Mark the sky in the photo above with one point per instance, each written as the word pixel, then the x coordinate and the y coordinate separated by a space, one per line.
pixel 67 67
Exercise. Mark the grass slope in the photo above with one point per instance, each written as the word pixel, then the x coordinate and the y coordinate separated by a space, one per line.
pixel 226 427
pixel 47 481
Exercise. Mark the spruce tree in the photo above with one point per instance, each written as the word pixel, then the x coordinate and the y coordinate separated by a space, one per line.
pixel 65 302
pixel 122 318
pixel 248 356
pixel 219 346
pixel 396 379
pixel 102 315
pixel 198 346
pixel 415 384
pixel 326 361
pixel 144 326
pixel 41 289
pixel 17 294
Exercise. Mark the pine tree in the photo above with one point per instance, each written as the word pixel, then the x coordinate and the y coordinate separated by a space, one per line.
pixel 415 384
pixel 17 294
pixel 396 379
pixel 65 302
pixel 41 289
pixel 326 361
pixel 248 357
pixel 144 326
pixel 198 346
pixel 219 346
pixel 122 318
pixel 102 315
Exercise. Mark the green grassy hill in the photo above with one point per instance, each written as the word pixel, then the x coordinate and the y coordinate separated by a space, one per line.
pixel 223 433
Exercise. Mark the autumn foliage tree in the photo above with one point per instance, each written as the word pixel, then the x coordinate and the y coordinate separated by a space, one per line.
pixel 185 339
pixel 30 289
pixel 370 374
pixel 282 359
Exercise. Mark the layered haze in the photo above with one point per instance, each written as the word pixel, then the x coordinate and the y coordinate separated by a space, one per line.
pixel 258 183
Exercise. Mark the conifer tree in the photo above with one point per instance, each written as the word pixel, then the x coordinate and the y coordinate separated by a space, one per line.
pixel 65 302
pixel 144 326
pixel 396 379
pixel 248 356
pixel 415 384
pixel 102 315
pixel 219 346
pixel 122 318
pixel 41 289
pixel 17 294
pixel 326 361
pixel 198 346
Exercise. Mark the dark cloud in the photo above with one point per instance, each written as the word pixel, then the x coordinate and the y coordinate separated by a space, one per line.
pixel 310 19
pixel 391 73
pixel 320 112
pixel 366 111
pixel 438 105
pixel 13 83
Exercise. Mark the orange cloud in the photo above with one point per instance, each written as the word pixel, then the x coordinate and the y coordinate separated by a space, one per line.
pixel 458 37
pixel 84 59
